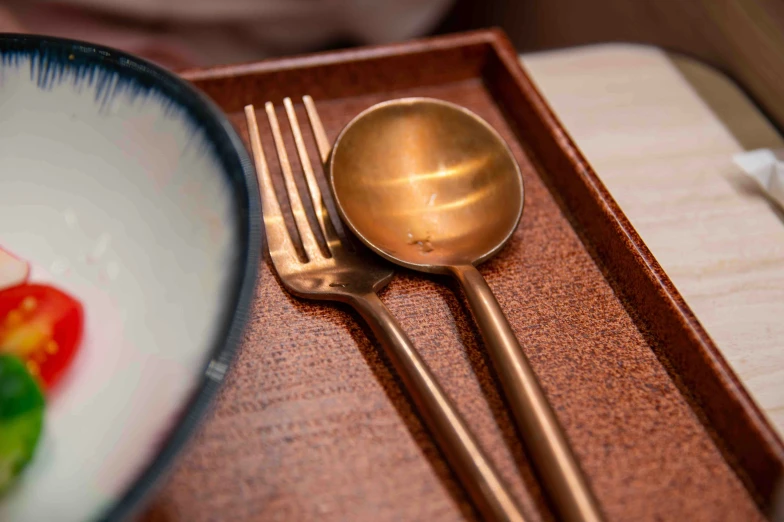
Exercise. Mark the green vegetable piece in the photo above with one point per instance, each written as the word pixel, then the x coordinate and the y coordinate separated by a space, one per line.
pixel 21 418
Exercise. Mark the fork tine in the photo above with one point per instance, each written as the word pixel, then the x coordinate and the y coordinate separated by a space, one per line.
pixel 330 235
pixel 309 243
pixel 278 240
pixel 318 129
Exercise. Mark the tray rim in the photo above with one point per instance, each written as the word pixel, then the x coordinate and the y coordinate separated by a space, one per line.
pixel 501 47
pixel 697 333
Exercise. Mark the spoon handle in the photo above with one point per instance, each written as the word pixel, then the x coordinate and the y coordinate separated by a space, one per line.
pixel 455 440
pixel 547 446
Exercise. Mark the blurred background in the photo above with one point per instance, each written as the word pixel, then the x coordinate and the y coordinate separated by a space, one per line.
pixel 744 38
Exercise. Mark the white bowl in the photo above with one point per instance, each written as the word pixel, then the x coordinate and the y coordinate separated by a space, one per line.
pixel 126 188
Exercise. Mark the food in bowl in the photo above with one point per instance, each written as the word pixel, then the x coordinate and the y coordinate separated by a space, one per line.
pixel 13 271
pixel 21 418
pixel 126 189
pixel 41 325
pixel 40 331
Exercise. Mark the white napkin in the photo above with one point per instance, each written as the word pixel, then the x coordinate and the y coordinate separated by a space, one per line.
pixel 766 167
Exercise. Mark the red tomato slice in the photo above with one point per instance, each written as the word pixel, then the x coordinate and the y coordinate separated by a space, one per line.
pixel 42 326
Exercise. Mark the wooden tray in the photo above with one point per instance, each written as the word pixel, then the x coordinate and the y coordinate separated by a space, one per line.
pixel 312 422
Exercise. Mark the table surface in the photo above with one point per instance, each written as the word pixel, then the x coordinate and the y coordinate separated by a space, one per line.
pixel 660 131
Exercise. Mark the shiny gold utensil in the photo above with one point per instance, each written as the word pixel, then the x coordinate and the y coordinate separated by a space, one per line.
pixel 431 186
pixel 353 276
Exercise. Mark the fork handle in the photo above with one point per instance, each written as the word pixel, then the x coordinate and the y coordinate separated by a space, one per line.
pixel 456 441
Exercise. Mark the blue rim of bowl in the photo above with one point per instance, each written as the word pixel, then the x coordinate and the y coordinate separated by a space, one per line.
pixel 236 164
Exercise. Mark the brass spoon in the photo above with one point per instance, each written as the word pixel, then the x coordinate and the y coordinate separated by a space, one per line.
pixel 431 186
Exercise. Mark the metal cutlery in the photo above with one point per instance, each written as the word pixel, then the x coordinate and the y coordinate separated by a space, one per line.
pixel 431 186
pixel 354 276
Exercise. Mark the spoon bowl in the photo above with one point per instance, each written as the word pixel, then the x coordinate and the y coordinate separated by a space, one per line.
pixel 426 184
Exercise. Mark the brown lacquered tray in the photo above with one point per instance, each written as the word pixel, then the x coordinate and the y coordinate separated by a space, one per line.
pixel 313 423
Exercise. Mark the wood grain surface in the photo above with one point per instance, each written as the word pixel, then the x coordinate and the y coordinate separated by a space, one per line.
pixel 313 424
pixel 661 131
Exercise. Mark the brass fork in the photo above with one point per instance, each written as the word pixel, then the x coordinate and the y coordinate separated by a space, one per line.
pixel 353 276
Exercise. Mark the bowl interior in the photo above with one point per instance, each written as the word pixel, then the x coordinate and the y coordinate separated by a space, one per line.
pixel 114 190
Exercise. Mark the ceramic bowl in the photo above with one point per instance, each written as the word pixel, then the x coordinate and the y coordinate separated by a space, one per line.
pixel 128 189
